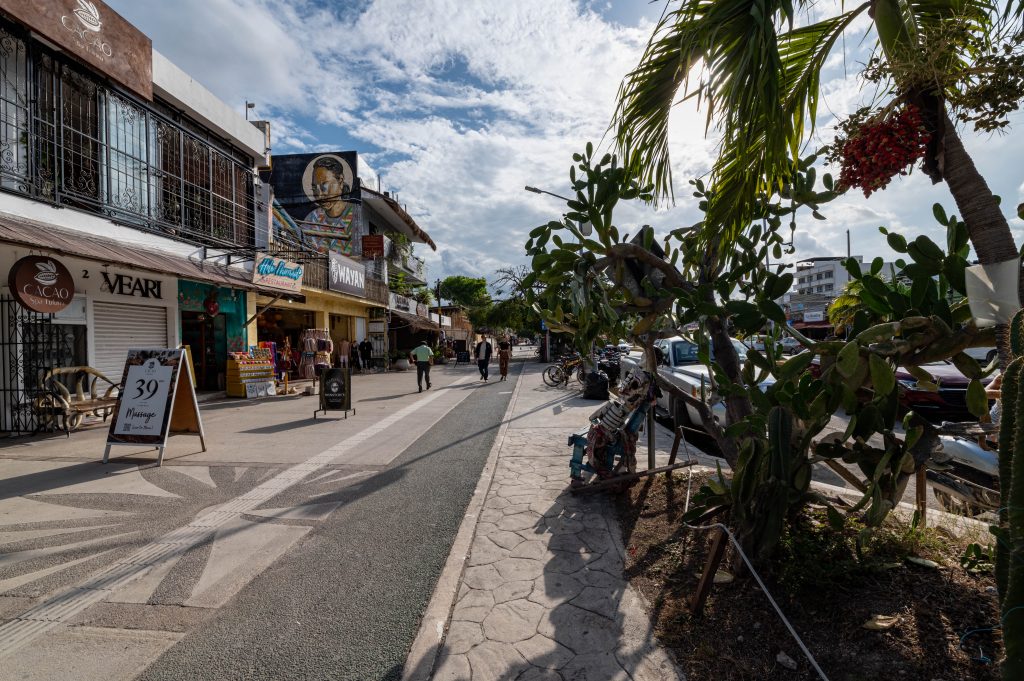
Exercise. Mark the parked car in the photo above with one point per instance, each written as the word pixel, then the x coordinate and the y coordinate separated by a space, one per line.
pixel 680 367
pixel 624 346
pixel 790 345
pixel 948 403
pixel 983 355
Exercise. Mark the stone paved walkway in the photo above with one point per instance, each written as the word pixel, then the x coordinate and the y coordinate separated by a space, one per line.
pixel 542 596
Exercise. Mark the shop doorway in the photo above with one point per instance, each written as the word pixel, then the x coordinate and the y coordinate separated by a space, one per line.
pixel 206 336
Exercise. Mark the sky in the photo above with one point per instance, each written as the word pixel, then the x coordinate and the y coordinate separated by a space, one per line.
pixel 459 104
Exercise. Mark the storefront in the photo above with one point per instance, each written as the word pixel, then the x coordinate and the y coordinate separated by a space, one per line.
pixel 212 325
pixel 317 326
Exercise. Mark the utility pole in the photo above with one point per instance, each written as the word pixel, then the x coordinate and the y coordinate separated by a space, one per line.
pixel 437 294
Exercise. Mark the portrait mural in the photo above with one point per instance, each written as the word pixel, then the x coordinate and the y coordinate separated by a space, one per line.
pixel 314 190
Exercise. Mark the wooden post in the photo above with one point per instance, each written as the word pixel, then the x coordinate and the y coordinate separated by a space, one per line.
pixel 922 496
pixel 675 445
pixel 707 579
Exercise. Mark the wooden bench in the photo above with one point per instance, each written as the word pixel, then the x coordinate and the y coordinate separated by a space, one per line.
pixel 94 394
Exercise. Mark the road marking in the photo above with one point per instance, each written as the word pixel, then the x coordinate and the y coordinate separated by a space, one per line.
pixel 40 619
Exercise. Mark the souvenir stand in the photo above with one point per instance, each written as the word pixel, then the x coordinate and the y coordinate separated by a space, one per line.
pixel 251 374
pixel 317 347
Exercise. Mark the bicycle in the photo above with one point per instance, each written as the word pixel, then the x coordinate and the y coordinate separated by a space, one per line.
pixel 560 373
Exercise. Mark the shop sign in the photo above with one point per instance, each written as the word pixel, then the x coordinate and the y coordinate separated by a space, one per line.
pixel 347 276
pixel 373 246
pixel 94 33
pixel 401 303
pixel 335 391
pixel 157 399
pixel 276 273
pixel 125 285
pixel 817 316
pixel 41 283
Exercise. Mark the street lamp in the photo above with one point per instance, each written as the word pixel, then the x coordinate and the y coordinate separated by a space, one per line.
pixel 585 227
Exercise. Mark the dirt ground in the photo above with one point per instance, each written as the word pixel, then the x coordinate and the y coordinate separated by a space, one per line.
pixel 827 591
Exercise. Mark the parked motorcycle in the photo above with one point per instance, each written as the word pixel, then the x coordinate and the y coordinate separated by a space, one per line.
pixel 968 484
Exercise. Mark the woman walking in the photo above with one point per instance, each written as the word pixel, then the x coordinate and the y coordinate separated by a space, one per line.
pixel 504 355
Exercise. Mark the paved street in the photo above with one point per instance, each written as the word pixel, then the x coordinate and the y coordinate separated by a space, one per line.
pixel 292 548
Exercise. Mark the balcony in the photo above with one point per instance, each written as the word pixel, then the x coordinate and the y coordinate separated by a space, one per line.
pixel 401 259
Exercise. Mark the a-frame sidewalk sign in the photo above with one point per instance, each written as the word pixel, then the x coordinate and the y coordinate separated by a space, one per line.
pixel 157 400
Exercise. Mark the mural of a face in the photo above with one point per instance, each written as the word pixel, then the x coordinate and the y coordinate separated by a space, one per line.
pixel 326 179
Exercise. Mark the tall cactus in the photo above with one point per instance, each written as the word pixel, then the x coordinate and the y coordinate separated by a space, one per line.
pixel 1010 532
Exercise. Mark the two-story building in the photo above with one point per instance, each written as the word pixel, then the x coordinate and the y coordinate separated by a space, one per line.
pixel 324 211
pixel 129 203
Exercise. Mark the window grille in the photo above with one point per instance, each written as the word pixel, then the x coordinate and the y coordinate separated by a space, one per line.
pixel 68 138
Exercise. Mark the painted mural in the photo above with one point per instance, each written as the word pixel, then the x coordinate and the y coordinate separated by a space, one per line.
pixel 314 190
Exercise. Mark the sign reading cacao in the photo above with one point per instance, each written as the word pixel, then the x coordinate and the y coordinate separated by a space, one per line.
pixel 95 34
pixel 41 284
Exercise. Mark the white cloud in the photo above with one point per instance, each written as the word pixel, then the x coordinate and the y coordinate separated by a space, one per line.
pixel 459 105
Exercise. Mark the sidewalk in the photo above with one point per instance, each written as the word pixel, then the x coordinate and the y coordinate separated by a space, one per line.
pixel 541 595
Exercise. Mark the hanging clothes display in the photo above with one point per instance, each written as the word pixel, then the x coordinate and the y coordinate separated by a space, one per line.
pixel 317 347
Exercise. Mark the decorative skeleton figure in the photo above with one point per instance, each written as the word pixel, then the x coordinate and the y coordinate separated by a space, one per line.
pixel 614 428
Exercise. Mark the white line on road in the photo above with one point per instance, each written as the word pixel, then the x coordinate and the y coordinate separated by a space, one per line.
pixel 60 608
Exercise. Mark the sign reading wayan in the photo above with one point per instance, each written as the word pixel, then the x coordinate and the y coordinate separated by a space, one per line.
pixel 347 276
pixel 276 273
pixel 95 34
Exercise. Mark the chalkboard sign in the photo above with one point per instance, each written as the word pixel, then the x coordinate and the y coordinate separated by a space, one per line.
pixel 157 399
pixel 462 357
pixel 335 391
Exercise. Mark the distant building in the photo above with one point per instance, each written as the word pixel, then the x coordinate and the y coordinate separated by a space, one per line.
pixel 816 283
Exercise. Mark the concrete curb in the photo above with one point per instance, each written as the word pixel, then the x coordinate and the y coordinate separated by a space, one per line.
pixel 419 664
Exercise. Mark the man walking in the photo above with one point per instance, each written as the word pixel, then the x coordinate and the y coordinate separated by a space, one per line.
pixel 366 353
pixel 483 356
pixel 424 357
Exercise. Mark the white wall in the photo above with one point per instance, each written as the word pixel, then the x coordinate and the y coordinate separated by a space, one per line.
pixel 180 89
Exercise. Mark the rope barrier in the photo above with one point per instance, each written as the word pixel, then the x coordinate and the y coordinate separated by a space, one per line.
pixel 757 577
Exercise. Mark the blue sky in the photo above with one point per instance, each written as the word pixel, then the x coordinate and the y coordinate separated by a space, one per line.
pixel 460 103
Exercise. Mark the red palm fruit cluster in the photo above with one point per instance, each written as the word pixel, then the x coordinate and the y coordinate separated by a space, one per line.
pixel 881 149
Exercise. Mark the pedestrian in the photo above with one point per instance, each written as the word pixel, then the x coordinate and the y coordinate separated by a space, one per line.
pixel 366 353
pixel 482 353
pixel 424 357
pixel 504 355
pixel 354 357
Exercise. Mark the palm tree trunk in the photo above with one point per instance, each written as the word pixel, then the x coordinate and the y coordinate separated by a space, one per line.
pixel 987 226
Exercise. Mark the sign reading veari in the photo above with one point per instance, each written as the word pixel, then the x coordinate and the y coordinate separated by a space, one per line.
pixel 157 400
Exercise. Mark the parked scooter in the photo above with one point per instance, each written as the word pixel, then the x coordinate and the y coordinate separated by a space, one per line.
pixel 969 483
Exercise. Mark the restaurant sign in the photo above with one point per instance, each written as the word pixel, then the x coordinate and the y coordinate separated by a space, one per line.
pixel 94 33
pixel 41 283
pixel 347 275
pixel 277 273
pixel 373 245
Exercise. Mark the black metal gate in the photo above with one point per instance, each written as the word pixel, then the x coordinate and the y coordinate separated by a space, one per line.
pixel 30 345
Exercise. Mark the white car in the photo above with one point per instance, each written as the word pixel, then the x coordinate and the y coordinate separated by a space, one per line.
pixel 681 368
pixel 624 346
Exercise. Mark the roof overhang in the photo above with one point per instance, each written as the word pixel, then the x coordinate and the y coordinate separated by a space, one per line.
pixel 396 216
pixel 41 236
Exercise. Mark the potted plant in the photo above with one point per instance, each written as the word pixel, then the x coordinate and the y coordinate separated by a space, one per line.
pixel 439 356
pixel 400 360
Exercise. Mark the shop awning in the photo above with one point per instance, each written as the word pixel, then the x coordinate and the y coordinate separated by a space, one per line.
pixel 405 320
pixel 41 236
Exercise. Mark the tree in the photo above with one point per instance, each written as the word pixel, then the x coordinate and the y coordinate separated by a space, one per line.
pixel 465 291
pixel 761 87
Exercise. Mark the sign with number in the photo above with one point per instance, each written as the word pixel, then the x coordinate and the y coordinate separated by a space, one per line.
pixel 157 399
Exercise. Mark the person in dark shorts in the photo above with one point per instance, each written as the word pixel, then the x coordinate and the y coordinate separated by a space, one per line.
pixel 424 357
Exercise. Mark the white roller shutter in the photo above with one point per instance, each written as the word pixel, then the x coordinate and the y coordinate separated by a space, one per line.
pixel 118 328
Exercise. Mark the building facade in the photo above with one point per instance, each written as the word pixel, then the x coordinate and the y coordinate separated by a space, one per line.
pixel 132 185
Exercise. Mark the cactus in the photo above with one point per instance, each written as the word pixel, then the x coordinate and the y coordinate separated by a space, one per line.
pixel 1010 531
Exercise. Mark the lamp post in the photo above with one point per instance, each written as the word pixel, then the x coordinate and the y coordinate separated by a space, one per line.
pixel 585 227
pixel 440 329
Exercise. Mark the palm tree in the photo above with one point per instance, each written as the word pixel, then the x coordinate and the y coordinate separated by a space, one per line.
pixel 760 84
